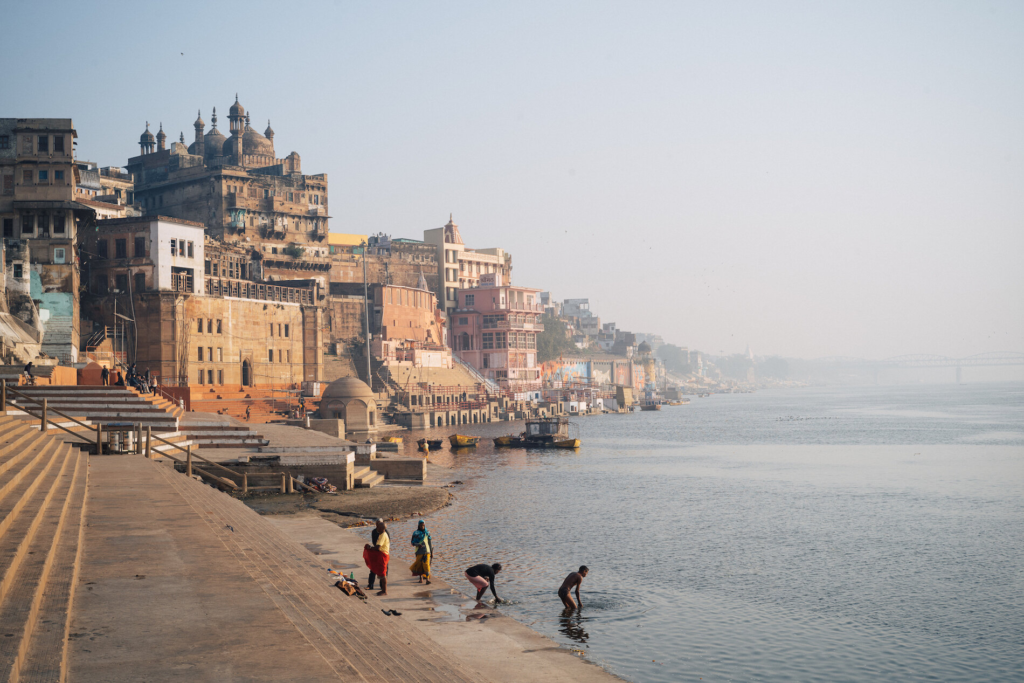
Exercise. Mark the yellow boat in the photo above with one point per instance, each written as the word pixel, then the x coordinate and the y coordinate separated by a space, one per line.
pixel 392 439
pixel 458 440
pixel 568 443
pixel 503 440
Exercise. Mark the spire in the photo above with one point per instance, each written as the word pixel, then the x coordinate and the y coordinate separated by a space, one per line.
pixel 247 120
pixel 269 132
pixel 213 119
pixel 181 138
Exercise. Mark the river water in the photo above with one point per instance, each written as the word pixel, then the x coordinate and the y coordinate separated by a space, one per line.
pixel 854 534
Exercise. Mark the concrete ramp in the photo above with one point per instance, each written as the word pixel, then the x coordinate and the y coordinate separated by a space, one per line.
pixel 182 582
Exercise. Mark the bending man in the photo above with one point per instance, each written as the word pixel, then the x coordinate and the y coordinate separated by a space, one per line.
pixel 573 581
pixel 482 576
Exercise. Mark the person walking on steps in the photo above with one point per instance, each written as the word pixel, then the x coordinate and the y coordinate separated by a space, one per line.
pixel 376 556
pixel 105 376
pixel 482 577
pixel 247 413
pixel 424 549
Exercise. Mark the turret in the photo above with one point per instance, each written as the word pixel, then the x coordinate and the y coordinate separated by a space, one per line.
pixel 161 139
pixel 199 126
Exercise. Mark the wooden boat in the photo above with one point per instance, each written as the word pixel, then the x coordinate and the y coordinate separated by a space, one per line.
pixel 461 440
pixel 650 406
pixel 544 432
pixel 392 439
pixel 430 444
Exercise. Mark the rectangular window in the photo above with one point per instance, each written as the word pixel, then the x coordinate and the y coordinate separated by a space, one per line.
pixel 220 354
pixel 209 375
pixel 279 329
pixel 289 355
pixel 199 351
pixel 26 177
pixel 58 143
pixel 9 227
pixel 216 269
pixel 9 184
pixel 470 300
pixel 58 223
pixel 58 175
pixel 219 326
pixel 271 329
pixel 207 269
pixel 285 330
pixel 44 144
pixel 209 326
pixel 191 253
pixel 291 196
pixel 121 282
pixel 44 176
pixel 488 341
pixel 266 194
pixel 101 248
pixel 220 377
pixel 5 141
pixel 280 356
pixel 58 255
pixel 463 321
pixel 209 354
pixel 174 247
pixel 140 247
pixel 18 272
pixel 271 355
pixel 140 282
pixel 181 247
pixel 202 374
pixel 499 340
pixel 200 326
pixel 120 248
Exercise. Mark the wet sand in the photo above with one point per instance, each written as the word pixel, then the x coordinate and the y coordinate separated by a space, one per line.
pixel 349 508
pixel 498 647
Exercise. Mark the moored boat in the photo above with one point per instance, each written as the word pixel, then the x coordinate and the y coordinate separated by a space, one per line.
pixel 461 440
pixel 544 432
pixel 650 406
pixel 429 444
pixel 503 440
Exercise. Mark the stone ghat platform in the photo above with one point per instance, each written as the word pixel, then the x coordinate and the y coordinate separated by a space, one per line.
pixel 178 581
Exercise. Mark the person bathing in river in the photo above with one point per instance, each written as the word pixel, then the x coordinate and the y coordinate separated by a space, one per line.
pixel 376 557
pixel 482 576
pixel 573 581
pixel 424 549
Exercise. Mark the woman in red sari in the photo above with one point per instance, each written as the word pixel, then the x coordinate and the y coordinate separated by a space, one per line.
pixel 376 556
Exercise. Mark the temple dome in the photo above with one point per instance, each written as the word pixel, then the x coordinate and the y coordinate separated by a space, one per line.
pixel 213 143
pixel 346 388
pixel 255 144
pixel 236 108
pixel 147 137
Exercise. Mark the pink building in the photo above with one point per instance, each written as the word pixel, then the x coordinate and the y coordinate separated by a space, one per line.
pixel 494 329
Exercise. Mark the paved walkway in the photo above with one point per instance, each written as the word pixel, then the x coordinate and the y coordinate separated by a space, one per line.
pixel 180 582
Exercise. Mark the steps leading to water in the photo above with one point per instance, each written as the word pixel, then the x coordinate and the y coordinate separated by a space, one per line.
pixel 365 478
pixel 42 500
pixel 104 405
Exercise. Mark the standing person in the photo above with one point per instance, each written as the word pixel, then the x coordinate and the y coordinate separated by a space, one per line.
pixel 28 368
pixel 573 580
pixel 424 549
pixel 376 556
pixel 105 376
pixel 146 381
pixel 482 576
pixel 248 410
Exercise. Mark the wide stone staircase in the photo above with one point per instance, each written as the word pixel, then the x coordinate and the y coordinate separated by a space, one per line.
pixel 208 430
pixel 252 603
pixel 264 404
pixel 42 500
pixel 365 478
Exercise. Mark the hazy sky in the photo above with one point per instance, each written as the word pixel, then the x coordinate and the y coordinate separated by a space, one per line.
pixel 809 178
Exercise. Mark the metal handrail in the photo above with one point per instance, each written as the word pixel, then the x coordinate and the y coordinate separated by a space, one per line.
pixel 45 409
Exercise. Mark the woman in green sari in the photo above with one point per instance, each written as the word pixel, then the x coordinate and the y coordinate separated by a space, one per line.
pixel 424 548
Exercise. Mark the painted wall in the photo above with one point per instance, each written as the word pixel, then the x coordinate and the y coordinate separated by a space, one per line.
pixel 160 235
pixel 565 370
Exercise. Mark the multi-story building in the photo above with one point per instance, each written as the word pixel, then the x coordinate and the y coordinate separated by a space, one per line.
pixel 196 310
pixel 494 329
pixel 459 267
pixel 108 184
pixel 38 209
pixel 408 328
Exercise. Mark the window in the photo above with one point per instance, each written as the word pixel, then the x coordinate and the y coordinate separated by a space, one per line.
pixel 58 175
pixel 220 354
pixel 101 248
pixel 220 377
pixel 174 247
pixel 44 176
pixel 209 357
pixel 271 355
pixel 100 283
pixel 280 356
pixel 488 341
pixel 470 299
pixel 219 326
pixel 191 253
pixel 120 248
pixel 140 247
pixel 291 196
pixel 209 326
pixel 181 247
pixel 207 269
pixel 58 143
pixel 499 340
pixel 200 326
pixel 289 355
pixel 266 193
pixel 279 329
pixel 44 144
pixel 9 227
pixel 463 321
pixel 58 223
pixel 5 141
pixel 121 282
pixel 28 224
pixel 140 282
pixel 201 373
pixel 487 359
pixel 26 177
pixel 285 330
pixel 209 376
pixel 271 329
pixel 216 269
pixel 9 184
pixel 18 273
pixel 58 255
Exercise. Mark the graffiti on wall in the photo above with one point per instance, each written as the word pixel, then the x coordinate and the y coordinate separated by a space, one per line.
pixel 565 370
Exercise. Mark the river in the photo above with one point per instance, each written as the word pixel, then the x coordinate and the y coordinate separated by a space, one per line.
pixel 818 534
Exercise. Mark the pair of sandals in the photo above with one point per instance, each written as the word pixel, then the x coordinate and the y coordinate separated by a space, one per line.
pixel 391 612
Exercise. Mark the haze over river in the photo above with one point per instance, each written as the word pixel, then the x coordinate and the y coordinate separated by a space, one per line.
pixel 825 534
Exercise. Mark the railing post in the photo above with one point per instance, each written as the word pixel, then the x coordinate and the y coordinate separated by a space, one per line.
pixel 99 439
pixel 245 483
pixel 3 396
pixel 149 441
pixel 42 421
pixel 188 460
pixel 291 484
pixel 284 486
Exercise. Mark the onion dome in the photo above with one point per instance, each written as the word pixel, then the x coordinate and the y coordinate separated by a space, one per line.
pixel 161 136
pixel 269 132
pixel 236 108
pixel 147 138
pixel 200 124
pixel 255 144
pixel 644 347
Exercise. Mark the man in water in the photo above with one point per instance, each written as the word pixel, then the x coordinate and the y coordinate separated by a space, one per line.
pixel 482 576
pixel 573 580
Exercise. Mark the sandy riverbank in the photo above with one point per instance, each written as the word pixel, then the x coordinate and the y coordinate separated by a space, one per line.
pixel 499 648
pixel 348 508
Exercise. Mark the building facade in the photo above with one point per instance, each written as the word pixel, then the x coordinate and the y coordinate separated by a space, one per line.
pixel 459 267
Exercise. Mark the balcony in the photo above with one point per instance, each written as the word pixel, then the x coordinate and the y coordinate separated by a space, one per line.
pixel 181 282
pixel 510 325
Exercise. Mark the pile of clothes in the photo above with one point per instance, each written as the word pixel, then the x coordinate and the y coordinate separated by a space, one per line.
pixel 321 484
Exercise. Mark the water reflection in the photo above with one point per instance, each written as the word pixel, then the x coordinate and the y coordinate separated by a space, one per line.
pixel 571 625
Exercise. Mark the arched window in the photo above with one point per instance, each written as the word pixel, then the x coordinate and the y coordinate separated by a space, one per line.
pixel 464 344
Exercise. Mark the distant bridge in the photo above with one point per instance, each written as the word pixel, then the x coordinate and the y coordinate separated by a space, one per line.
pixel 924 360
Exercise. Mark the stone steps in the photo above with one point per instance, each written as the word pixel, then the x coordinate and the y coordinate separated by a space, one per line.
pixel 357 640
pixel 104 405
pixel 365 478
pixel 42 499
